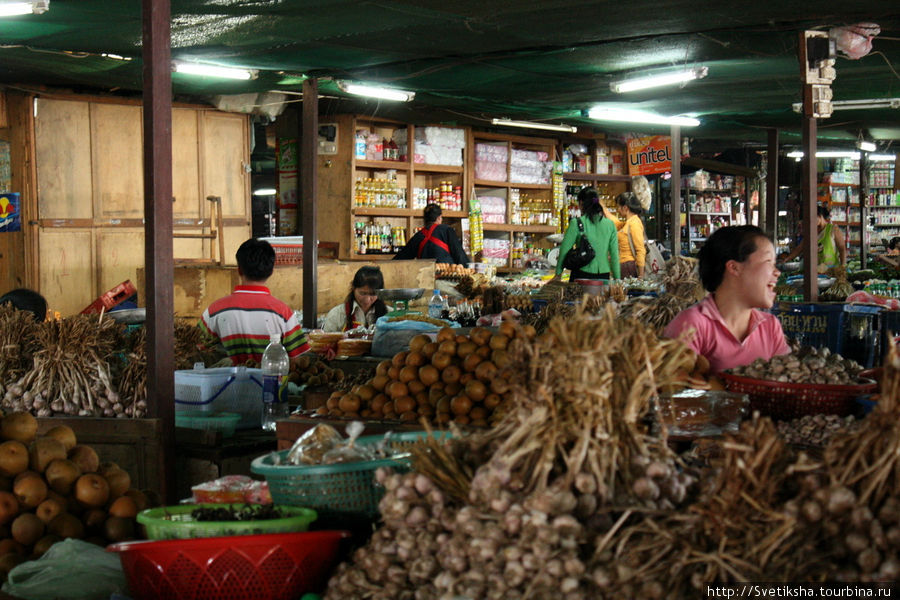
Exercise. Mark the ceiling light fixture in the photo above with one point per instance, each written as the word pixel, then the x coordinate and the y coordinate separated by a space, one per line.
pixel 650 81
pixel 638 116
pixel 376 92
pixel 857 104
pixel 11 9
pixel 533 125
pixel 265 192
pixel 798 154
pixel 190 68
pixel 866 146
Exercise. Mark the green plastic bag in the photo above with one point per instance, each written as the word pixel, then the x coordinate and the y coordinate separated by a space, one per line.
pixel 69 569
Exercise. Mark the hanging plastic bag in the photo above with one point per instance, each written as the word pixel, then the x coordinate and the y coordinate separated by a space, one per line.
pixel 349 451
pixel 854 41
pixel 69 569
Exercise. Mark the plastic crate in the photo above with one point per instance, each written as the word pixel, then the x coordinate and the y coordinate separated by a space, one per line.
pixel 112 298
pixel 813 324
pixel 223 389
pixel 275 566
pixel 340 490
pixel 288 250
pixel 862 334
pixel 890 330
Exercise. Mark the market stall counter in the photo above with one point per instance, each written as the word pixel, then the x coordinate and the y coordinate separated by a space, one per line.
pixel 205 455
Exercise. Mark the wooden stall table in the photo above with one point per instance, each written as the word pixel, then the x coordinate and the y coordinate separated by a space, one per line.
pixel 206 455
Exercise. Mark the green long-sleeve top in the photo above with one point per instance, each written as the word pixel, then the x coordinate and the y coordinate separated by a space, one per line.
pixel 602 236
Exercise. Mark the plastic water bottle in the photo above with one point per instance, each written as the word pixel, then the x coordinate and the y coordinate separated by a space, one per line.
pixel 275 368
pixel 435 305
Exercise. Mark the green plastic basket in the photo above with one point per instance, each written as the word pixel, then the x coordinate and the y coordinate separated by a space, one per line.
pixel 176 522
pixel 346 489
pixel 225 422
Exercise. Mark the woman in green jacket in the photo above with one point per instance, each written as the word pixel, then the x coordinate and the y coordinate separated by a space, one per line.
pixel 600 232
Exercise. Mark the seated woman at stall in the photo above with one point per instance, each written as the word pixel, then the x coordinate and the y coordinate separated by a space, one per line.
pixel 29 300
pixel 362 306
pixel 727 327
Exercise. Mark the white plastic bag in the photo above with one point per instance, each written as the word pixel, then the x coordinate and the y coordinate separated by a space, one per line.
pixel 69 569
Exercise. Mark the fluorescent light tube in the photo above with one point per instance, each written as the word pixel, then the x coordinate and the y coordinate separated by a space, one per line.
pixel 11 9
pixel 265 192
pixel 649 81
pixel 190 68
pixel 532 125
pixel 376 92
pixel 798 154
pixel 857 104
pixel 866 146
pixel 639 116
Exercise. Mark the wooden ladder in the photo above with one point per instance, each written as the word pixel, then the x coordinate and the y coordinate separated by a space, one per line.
pixel 216 233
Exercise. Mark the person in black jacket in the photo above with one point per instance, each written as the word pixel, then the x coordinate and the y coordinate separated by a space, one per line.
pixel 435 240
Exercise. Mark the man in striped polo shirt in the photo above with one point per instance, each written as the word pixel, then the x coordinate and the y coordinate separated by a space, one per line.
pixel 243 321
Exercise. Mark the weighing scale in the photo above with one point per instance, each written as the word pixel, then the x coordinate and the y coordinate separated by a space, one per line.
pixel 400 298
pixel 553 255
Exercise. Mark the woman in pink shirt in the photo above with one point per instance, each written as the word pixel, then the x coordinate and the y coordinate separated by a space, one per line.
pixel 737 267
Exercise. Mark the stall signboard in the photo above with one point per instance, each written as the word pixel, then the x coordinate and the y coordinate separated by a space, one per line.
pixel 288 160
pixel 10 217
pixel 649 155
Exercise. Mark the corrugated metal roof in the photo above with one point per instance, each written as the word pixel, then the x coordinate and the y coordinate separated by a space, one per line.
pixel 468 60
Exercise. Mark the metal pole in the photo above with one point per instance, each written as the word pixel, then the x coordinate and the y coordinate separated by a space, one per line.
pixel 676 191
pixel 771 208
pixel 863 196
pixel 309 161
pixel 158 261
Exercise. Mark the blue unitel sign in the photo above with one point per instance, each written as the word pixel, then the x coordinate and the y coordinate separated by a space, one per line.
pixel 10 216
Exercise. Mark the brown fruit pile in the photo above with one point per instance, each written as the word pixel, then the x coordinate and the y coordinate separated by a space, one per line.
pixel 52 488
pixel 455 378
pixel 310 370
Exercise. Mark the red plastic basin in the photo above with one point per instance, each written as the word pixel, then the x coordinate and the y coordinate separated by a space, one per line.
pixel 277 566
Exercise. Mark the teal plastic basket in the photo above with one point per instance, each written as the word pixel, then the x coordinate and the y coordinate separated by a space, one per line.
pixel 346 489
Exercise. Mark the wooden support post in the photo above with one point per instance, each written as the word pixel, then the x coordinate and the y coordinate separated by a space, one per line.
pixel 676 191
pixel 309 162
pixel 160 324
pixel 809 186
pixel 770 222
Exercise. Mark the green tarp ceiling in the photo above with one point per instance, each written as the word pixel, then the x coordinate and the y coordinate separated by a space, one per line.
pixel 469 61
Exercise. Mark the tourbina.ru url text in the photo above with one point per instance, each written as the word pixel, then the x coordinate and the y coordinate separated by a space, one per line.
pixel 785 590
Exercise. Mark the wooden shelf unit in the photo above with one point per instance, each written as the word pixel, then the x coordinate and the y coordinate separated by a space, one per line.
pixel 541 192
pixel 339 173
pixel 706 217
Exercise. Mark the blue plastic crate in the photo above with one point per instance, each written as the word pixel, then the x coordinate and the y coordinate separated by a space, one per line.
pixel 890 330
pixel 817 324
pixel 862 335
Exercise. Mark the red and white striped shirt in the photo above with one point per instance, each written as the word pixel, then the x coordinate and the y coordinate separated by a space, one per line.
pixel 244 320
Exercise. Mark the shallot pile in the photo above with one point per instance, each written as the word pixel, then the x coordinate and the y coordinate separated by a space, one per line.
pixel 511 512
pixel 682 290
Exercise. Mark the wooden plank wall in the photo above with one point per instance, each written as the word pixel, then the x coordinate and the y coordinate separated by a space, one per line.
pixel 89 173
pixel 12 244
pixel 335 196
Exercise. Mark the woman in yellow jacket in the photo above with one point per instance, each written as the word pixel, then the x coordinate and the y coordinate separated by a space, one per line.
pixel 632 250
